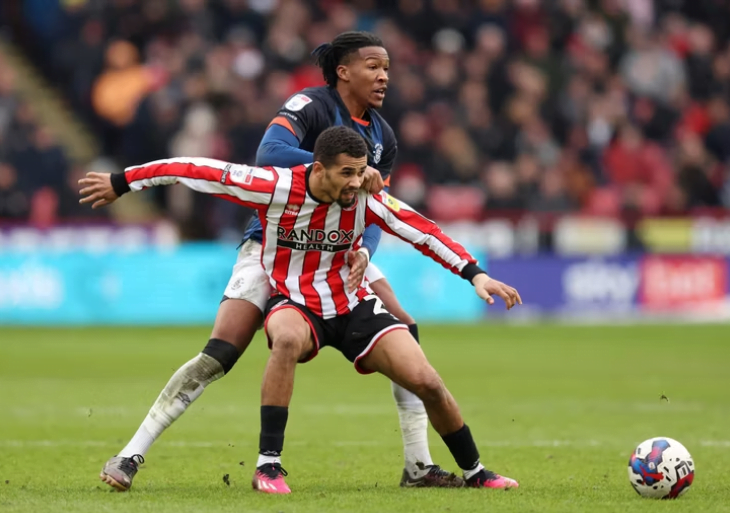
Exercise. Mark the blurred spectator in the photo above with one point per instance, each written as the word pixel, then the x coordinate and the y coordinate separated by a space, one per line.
pixel 718 137
pixel 639 170
pixel 551 196
pixel 650 69
pixel 124 82
pixel 502 187
pixel 695 174
pixel 599 106
pixel 14 202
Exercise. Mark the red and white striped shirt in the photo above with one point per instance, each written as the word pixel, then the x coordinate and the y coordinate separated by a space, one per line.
pixel 305 241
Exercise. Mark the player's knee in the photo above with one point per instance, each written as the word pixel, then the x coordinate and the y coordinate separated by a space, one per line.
pixel 427 385
pixel 288 344
pixel 225 353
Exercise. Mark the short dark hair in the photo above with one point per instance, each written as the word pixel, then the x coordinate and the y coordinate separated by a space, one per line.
pixel 337 140
pixel 331 55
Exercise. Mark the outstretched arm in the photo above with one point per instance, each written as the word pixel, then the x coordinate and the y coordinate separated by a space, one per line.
pixel 248 186
pixel 399 219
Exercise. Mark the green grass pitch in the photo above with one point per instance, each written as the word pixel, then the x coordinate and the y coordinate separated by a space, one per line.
pixel 558 408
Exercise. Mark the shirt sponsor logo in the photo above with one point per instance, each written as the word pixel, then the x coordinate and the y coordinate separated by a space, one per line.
pixel 315 240
pixel 226 172
pixel 292 209
pixel 288 115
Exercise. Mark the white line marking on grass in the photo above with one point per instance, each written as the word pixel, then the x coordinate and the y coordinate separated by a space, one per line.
pixel 715 443
pixel 216 411
pixel 582 444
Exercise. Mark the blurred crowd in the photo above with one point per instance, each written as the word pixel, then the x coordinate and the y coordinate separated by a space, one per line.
pixel 37 181
pixel 609 107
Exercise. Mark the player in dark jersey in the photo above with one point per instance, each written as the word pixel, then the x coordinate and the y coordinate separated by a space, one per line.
pixel 355 68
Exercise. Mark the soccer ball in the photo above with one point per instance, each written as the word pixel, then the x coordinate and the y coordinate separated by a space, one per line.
pixel 661 468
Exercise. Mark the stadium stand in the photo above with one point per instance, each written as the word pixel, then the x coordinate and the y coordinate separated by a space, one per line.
pixel 604 107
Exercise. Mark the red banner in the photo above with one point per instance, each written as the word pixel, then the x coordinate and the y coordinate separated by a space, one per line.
pixel 682 283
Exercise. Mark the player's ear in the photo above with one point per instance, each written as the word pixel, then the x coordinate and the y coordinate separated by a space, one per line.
pixel 343 73
pixel 318 168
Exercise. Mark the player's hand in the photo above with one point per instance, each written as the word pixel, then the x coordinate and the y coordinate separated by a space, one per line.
pixel 372 182
pixel 487 287
pixel 358 263
pixel 97 190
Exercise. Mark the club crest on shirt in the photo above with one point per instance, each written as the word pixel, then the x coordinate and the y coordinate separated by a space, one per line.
pixel 377 153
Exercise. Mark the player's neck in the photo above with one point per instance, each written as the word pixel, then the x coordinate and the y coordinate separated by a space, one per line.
pixel 354 107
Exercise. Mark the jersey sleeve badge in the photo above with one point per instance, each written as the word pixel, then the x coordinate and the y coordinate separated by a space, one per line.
pixel 391 202
pixel 245 175
pixel 297 102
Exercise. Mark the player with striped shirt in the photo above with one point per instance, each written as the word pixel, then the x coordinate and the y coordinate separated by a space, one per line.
pixel 313 221
pixel 355 67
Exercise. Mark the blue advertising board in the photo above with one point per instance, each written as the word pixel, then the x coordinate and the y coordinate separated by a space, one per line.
pixel 149 286
pixel 573 286
pixel 185 285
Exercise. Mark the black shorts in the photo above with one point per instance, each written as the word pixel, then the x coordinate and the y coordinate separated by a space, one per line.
pixel 354 334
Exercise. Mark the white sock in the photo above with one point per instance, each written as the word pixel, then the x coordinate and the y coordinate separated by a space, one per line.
pixel 263 460
pixel 414 428
pixel 469 473
pixel 184 387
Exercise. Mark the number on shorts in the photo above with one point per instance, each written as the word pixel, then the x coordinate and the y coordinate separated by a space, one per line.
pixel 378 307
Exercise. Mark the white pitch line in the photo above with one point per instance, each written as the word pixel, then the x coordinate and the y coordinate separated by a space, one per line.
pixel 217 411
pixel 344 443
pixel 346 410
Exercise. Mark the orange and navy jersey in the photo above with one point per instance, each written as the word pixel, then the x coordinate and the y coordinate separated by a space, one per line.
pixel 311 111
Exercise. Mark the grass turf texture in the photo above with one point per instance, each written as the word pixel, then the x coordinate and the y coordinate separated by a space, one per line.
pixel 558 408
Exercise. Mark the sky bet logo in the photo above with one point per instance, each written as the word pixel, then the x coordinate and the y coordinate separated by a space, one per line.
pixel 315 240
